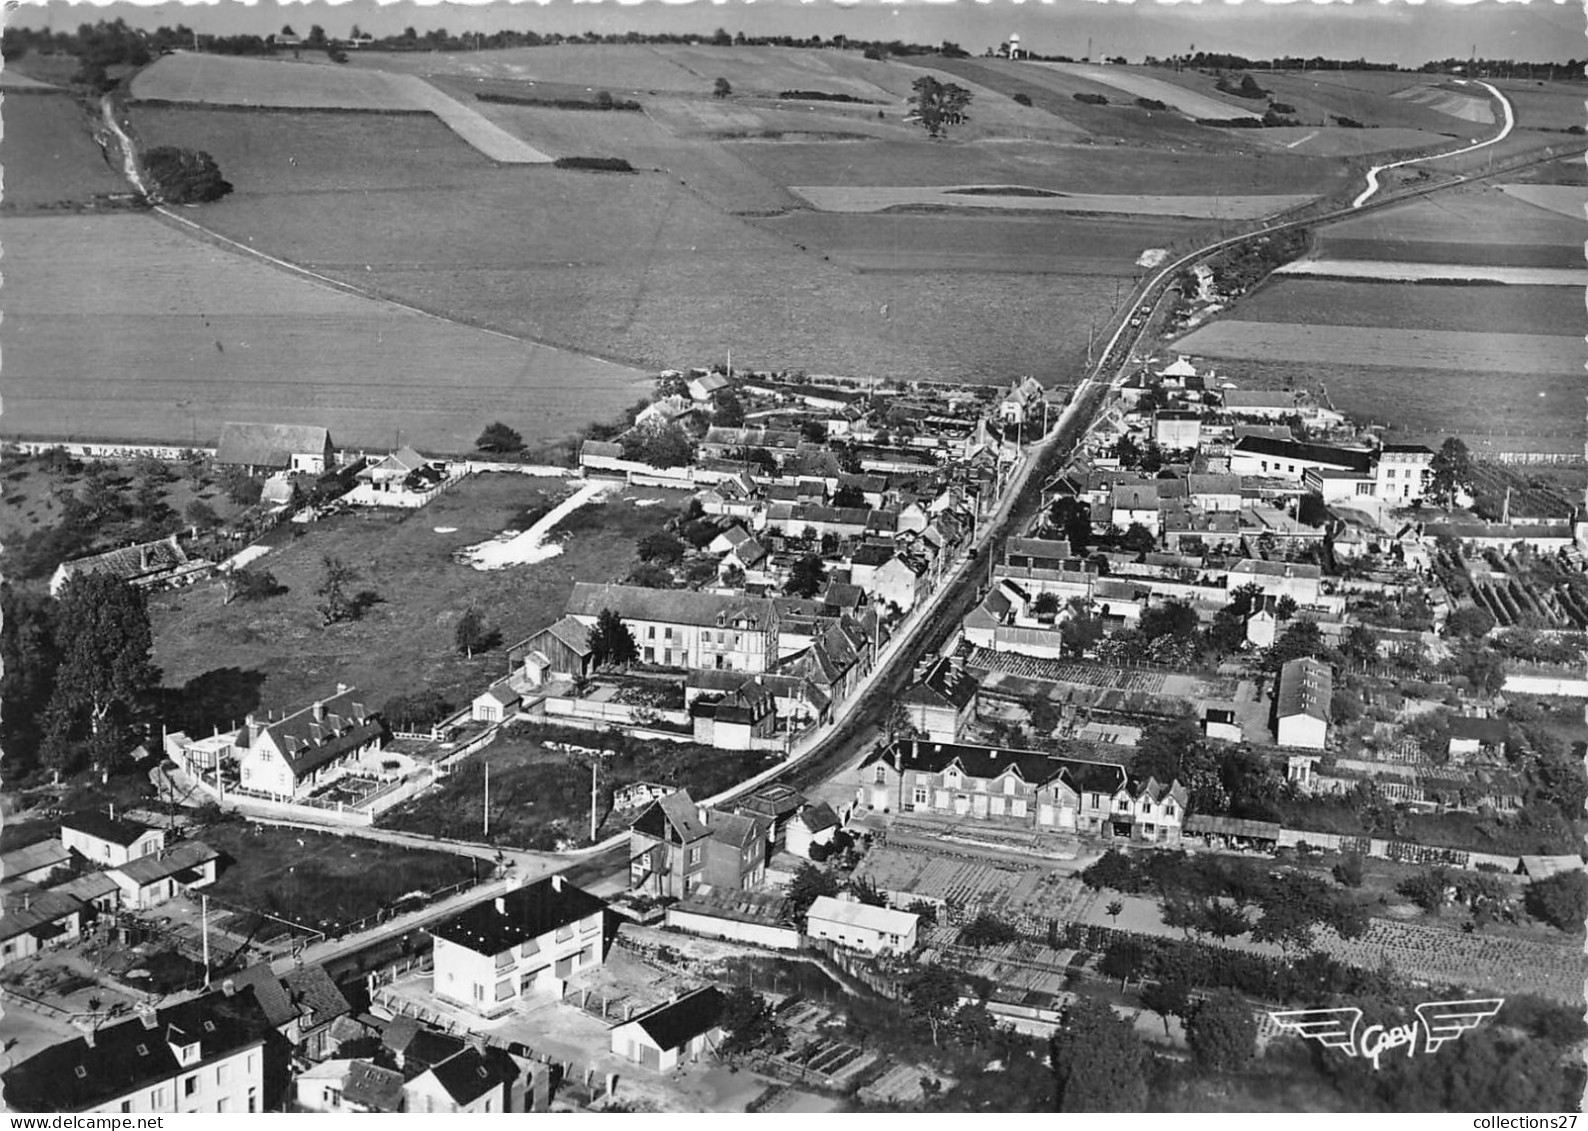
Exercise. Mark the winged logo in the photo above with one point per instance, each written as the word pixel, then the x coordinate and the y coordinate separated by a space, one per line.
pixel 1446 1020
pixel 1340 1028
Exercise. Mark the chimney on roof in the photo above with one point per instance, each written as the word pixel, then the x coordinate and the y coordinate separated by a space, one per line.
pixel 501 905
pixel 557 882
pixel 342 689
pixel 229 988
pixel 147 1015
pixel 319 710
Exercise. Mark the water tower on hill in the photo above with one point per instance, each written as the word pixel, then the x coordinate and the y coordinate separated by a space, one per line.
pixel 1013 48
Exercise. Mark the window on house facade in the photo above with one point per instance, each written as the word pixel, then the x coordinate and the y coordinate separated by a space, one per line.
pixel 882 774
pixel 223 1072
pixel 528 948
pixel 504 989
pixel 565 932
pixel 1017 807
pixel 1168 809
pixel 504 960
pixel 919 797
pixel 650 632
pixel 694 856
pixel 157 1098
pixel 1009 785
pixel 126 1105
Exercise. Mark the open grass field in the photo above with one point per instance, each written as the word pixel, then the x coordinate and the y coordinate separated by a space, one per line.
pixel 1543 105
pixel 1568 200
pixel 278 651
pixel 122 327
pixel 849 198
pixel 1480 216
pixel 635 267
pixel 319 880
pixel 1397 348
pixel 1069 245
pixel 1471 105
pixel 1389 271
pixel 276 84
pixel 1454 253
pixel 10 80
pixel 1334 141
pixel 49 154
pixel 1135 82
pixel 1503 309
pixel 1324 96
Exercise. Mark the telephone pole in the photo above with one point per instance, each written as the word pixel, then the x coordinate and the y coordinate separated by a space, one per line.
pixel 594 765
pixel 485 827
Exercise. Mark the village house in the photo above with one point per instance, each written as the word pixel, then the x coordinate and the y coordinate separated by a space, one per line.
pixel 679 1031
pixel 677 628
pixel 812 825
pixel 1177 429
pixel 676 846
pixel 496 703
pixel 300 1004
pixel 742 719
pixel 560 651
pixel 1260 404
pixel 401 478
pixel 522 945
pixel 1403 473
pixel 1291 459
pixel 39 922
pixel 206 1054
pixel 149 881
pixel 149 566
pixel 1473 739
pixel 1214 494
pixel 1300 581
pixel 860 926
pixel 1021 788
pixel 290 757
pixel 797 700
pixel 35 863
pixel 942 702
pixel 356 1087
pixel 107 840
pixel 475 1080
pixel 262 449
pixel 1301 704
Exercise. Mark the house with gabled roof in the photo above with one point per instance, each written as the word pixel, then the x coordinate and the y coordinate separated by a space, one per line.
pixel 742 719
pixel 34 863
pixel 561 650
pixel 521 945
pixel 678 628
pixel 149 881
pixel 163 564
pixel 942 702
pixel 301 1004
pixel 1301 704
pixel 473 1080
pixel 290 757
pixel 812 825
pixel 108 840
pixel 675 846
pixel 267 448
pixel 680 1030
pixel 43 920
pixel 1149 811
pixel 1022 788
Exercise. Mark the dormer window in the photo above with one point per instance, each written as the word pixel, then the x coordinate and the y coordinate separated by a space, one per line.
pixel 186 1054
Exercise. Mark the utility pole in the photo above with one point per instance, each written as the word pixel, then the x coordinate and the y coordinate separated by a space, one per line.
pixel 485 828
pixel 204 918
pixel 594 765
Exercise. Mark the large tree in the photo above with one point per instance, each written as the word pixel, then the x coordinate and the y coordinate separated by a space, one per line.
pixel 185 176
pixel 611 642
pixel 1099 1063
pixel 808 576
pixel 498 437
pixel 28 659
pixel 1222 1033
pixel 1561 900
pixel 934 996
pixel 106 682
pixel 1451 472
pixel 337 604
pixel 939 104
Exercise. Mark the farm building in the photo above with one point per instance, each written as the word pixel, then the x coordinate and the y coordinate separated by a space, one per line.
pixel 496 703
pixel 108 840
pixel 290 757
pixel 43 921
pixel 267 448
pixel 34 863
pixel 676 628
pixel 859 926
pixel 522 944
pixel 149 565
pixel 674 1033
pixel 1290 459
pixel 812 825
pixel 561 650
pixel 1301 704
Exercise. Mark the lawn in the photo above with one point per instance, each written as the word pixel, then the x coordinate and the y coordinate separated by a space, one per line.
pixel 852 198
pixel 1398 347
pixel 320 880
pixel 539 795
pixel 50 157
pixel 191 335
pixel 1131 83
pixel 276 653
pixel 1319 97
pixel 230 80
pixel 1481 215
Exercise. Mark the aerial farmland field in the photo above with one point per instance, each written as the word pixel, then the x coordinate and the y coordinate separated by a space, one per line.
pixel 1504 309
pixel 190 335
pixel 1396 347
pixel 1144 83
pixel 1003 197
pixel 49 155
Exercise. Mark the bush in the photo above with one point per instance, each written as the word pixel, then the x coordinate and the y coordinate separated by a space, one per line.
pixel 818 96
pixel 1089 98
pixel 1151 104
pixel 1023 99
pixel 602 101
pixel 1560 900
pixel 1347 123
pixel 595 164
pixel 185 176
pixel 1348 871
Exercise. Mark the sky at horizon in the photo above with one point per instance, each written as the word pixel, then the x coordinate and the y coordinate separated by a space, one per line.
pixel 1407 32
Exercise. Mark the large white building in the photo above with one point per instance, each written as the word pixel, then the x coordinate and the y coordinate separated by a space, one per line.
pixel 679 629
pixel 1301 704
pixel 521 945
pixel 860 926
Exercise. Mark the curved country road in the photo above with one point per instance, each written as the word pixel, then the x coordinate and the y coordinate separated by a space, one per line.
pixel 1505 132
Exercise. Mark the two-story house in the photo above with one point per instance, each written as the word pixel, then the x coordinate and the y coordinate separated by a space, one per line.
pixel 676 846
pixel 108 840
pixel 681 629
pixel 1149 811
pixel 523 944
pixel 204 1055
pixel 290 757
pixel 1302 703
pixel 943 701
pixel 1402 473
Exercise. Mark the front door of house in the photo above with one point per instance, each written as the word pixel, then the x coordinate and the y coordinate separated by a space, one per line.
pixel 978 805
pixel 962 803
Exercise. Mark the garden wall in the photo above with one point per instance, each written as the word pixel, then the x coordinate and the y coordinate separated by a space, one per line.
pixel 712 926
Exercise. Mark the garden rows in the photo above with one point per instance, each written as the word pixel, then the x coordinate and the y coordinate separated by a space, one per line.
pixel 1060 671
pixel 1482 961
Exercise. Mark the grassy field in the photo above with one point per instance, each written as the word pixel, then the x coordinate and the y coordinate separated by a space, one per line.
pixel 1543 105
pixel 850 198
pixel 50 157
pixel 1329 302
pixel 234 81
pixel 1074 245
pixel 1567 200
pixel 190 336
pixel 1381 270
pixel 319 880
pixel 1133 82
pixel 278 652
pixel 629 266
pixel 1333 141
pixel 1496 227
pixel 1395 347
pixel 539 796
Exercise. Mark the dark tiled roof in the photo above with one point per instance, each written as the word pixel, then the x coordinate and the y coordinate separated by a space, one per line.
pixel 471 1073
pixel 269 445
pixel 1305 687
pixel 146 870
pixel 41 913
pixel 1312 453
pixel 304 993
pixel 669 606
pixel 1490 732
pixel 372 1086
pixel 773 801
pixel 120 831
pixel 946 684
pixel 527 913
pixel 72 1076
pixel 678 1022
pixel 676 811
pixel 731 828
pixel 1034 766
pixel 818 817
pixel 131 562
